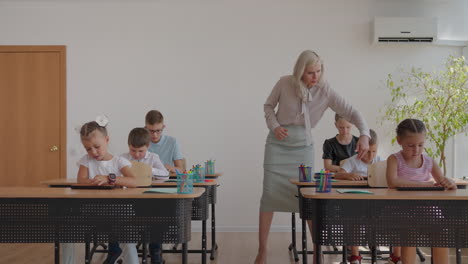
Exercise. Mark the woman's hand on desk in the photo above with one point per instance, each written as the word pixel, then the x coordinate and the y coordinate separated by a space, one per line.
pixel 280 133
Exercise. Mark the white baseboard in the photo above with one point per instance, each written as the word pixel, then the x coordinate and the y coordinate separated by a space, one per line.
pixel 253 229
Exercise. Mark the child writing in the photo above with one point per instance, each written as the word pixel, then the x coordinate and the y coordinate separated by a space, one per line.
pixel 412 167
pixel 340 147
pixel 165 146
pixel 99 167
pixel 355 169
pixel 139 141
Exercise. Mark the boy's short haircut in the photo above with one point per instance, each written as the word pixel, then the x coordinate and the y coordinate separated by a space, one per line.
pixel 154 117
pixel 139 137
pixel 338 117
pixel 373 137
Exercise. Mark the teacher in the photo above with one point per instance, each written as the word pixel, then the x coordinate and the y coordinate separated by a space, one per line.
pixel 302 98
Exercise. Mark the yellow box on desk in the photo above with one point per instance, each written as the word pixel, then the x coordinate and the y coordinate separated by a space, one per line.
pixel 143 173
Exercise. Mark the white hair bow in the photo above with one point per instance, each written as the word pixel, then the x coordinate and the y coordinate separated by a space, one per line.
pixel 102 120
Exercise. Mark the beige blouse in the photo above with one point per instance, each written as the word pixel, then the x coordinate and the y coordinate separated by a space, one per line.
pixel 322 96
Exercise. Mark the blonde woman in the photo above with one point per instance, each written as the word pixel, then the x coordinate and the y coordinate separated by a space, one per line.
pixel 302 98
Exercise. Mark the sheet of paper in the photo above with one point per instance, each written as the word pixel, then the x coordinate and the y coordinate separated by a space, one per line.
pixel 161 190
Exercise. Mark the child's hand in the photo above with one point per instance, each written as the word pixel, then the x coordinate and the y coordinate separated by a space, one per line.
pixel 355 177
pixel 100 180
pixel 170 168
pixel 447 183
pixel 281 133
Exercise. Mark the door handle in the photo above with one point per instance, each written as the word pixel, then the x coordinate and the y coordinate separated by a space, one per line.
pixel 53 148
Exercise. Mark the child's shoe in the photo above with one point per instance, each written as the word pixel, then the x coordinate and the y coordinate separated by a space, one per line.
pixel 113 256
pixel 354 259
pixel 156 256
pixel 394 260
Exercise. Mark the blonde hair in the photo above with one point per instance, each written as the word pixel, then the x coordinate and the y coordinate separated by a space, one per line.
pixel 305 59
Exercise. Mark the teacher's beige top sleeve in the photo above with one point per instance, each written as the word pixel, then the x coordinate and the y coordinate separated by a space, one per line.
pixel 289 111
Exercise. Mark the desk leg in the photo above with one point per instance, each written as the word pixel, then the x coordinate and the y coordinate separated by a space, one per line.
pixel 144 254
pixel 57 253
pixel 87 252
pixel 204 242
pixel 373 254
pixel 304 242
pixel 184 252
pixel 214 246
pixel 344 255
pixel 293 245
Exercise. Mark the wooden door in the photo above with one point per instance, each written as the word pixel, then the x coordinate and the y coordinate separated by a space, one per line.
pixel 32 114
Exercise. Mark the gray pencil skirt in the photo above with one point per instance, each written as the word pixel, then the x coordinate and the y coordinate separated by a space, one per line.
pixel 282 158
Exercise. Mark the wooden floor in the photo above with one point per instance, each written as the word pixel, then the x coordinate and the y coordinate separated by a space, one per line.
pixel 234 248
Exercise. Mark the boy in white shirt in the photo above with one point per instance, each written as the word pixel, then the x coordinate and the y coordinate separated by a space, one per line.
pixel 138 142
pixel 355 169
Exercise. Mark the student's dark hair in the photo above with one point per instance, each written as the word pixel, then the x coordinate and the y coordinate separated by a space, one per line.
pixel 373 137
pixel 410 126
pixel 139 137
pixel 154 117
pixel 88 128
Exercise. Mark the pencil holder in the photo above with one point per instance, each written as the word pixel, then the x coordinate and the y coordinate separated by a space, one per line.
pixel 185 183
pixel 305 174
pixel 209 167
pixel 324 183
pixel 198 174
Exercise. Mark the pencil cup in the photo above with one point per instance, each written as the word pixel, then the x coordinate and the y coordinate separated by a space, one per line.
pixel 198 174
pixel 324 183
pixel 185 183
pixel 305 174
pixel 209 167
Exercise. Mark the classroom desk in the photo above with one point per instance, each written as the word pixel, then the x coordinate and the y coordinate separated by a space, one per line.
pixel 63 215
pixel 199 211
pixel 339 184
pixel 461 184
pixel 210 190
pixel 386 217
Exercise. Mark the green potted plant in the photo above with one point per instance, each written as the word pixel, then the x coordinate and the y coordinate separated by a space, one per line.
pixel 439 99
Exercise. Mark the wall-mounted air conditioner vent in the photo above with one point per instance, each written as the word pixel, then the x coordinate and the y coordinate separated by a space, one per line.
pixel 405 30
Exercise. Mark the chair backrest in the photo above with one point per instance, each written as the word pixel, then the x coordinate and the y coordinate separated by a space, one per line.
pixel 376 174
pixel 143 173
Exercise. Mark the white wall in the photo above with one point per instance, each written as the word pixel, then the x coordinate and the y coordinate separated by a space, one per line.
pixel 209 66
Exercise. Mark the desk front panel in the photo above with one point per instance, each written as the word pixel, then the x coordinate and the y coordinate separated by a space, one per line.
pixel 75 220
pixel 441 223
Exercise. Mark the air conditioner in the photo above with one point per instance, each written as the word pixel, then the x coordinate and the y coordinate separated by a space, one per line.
pixel 405 29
